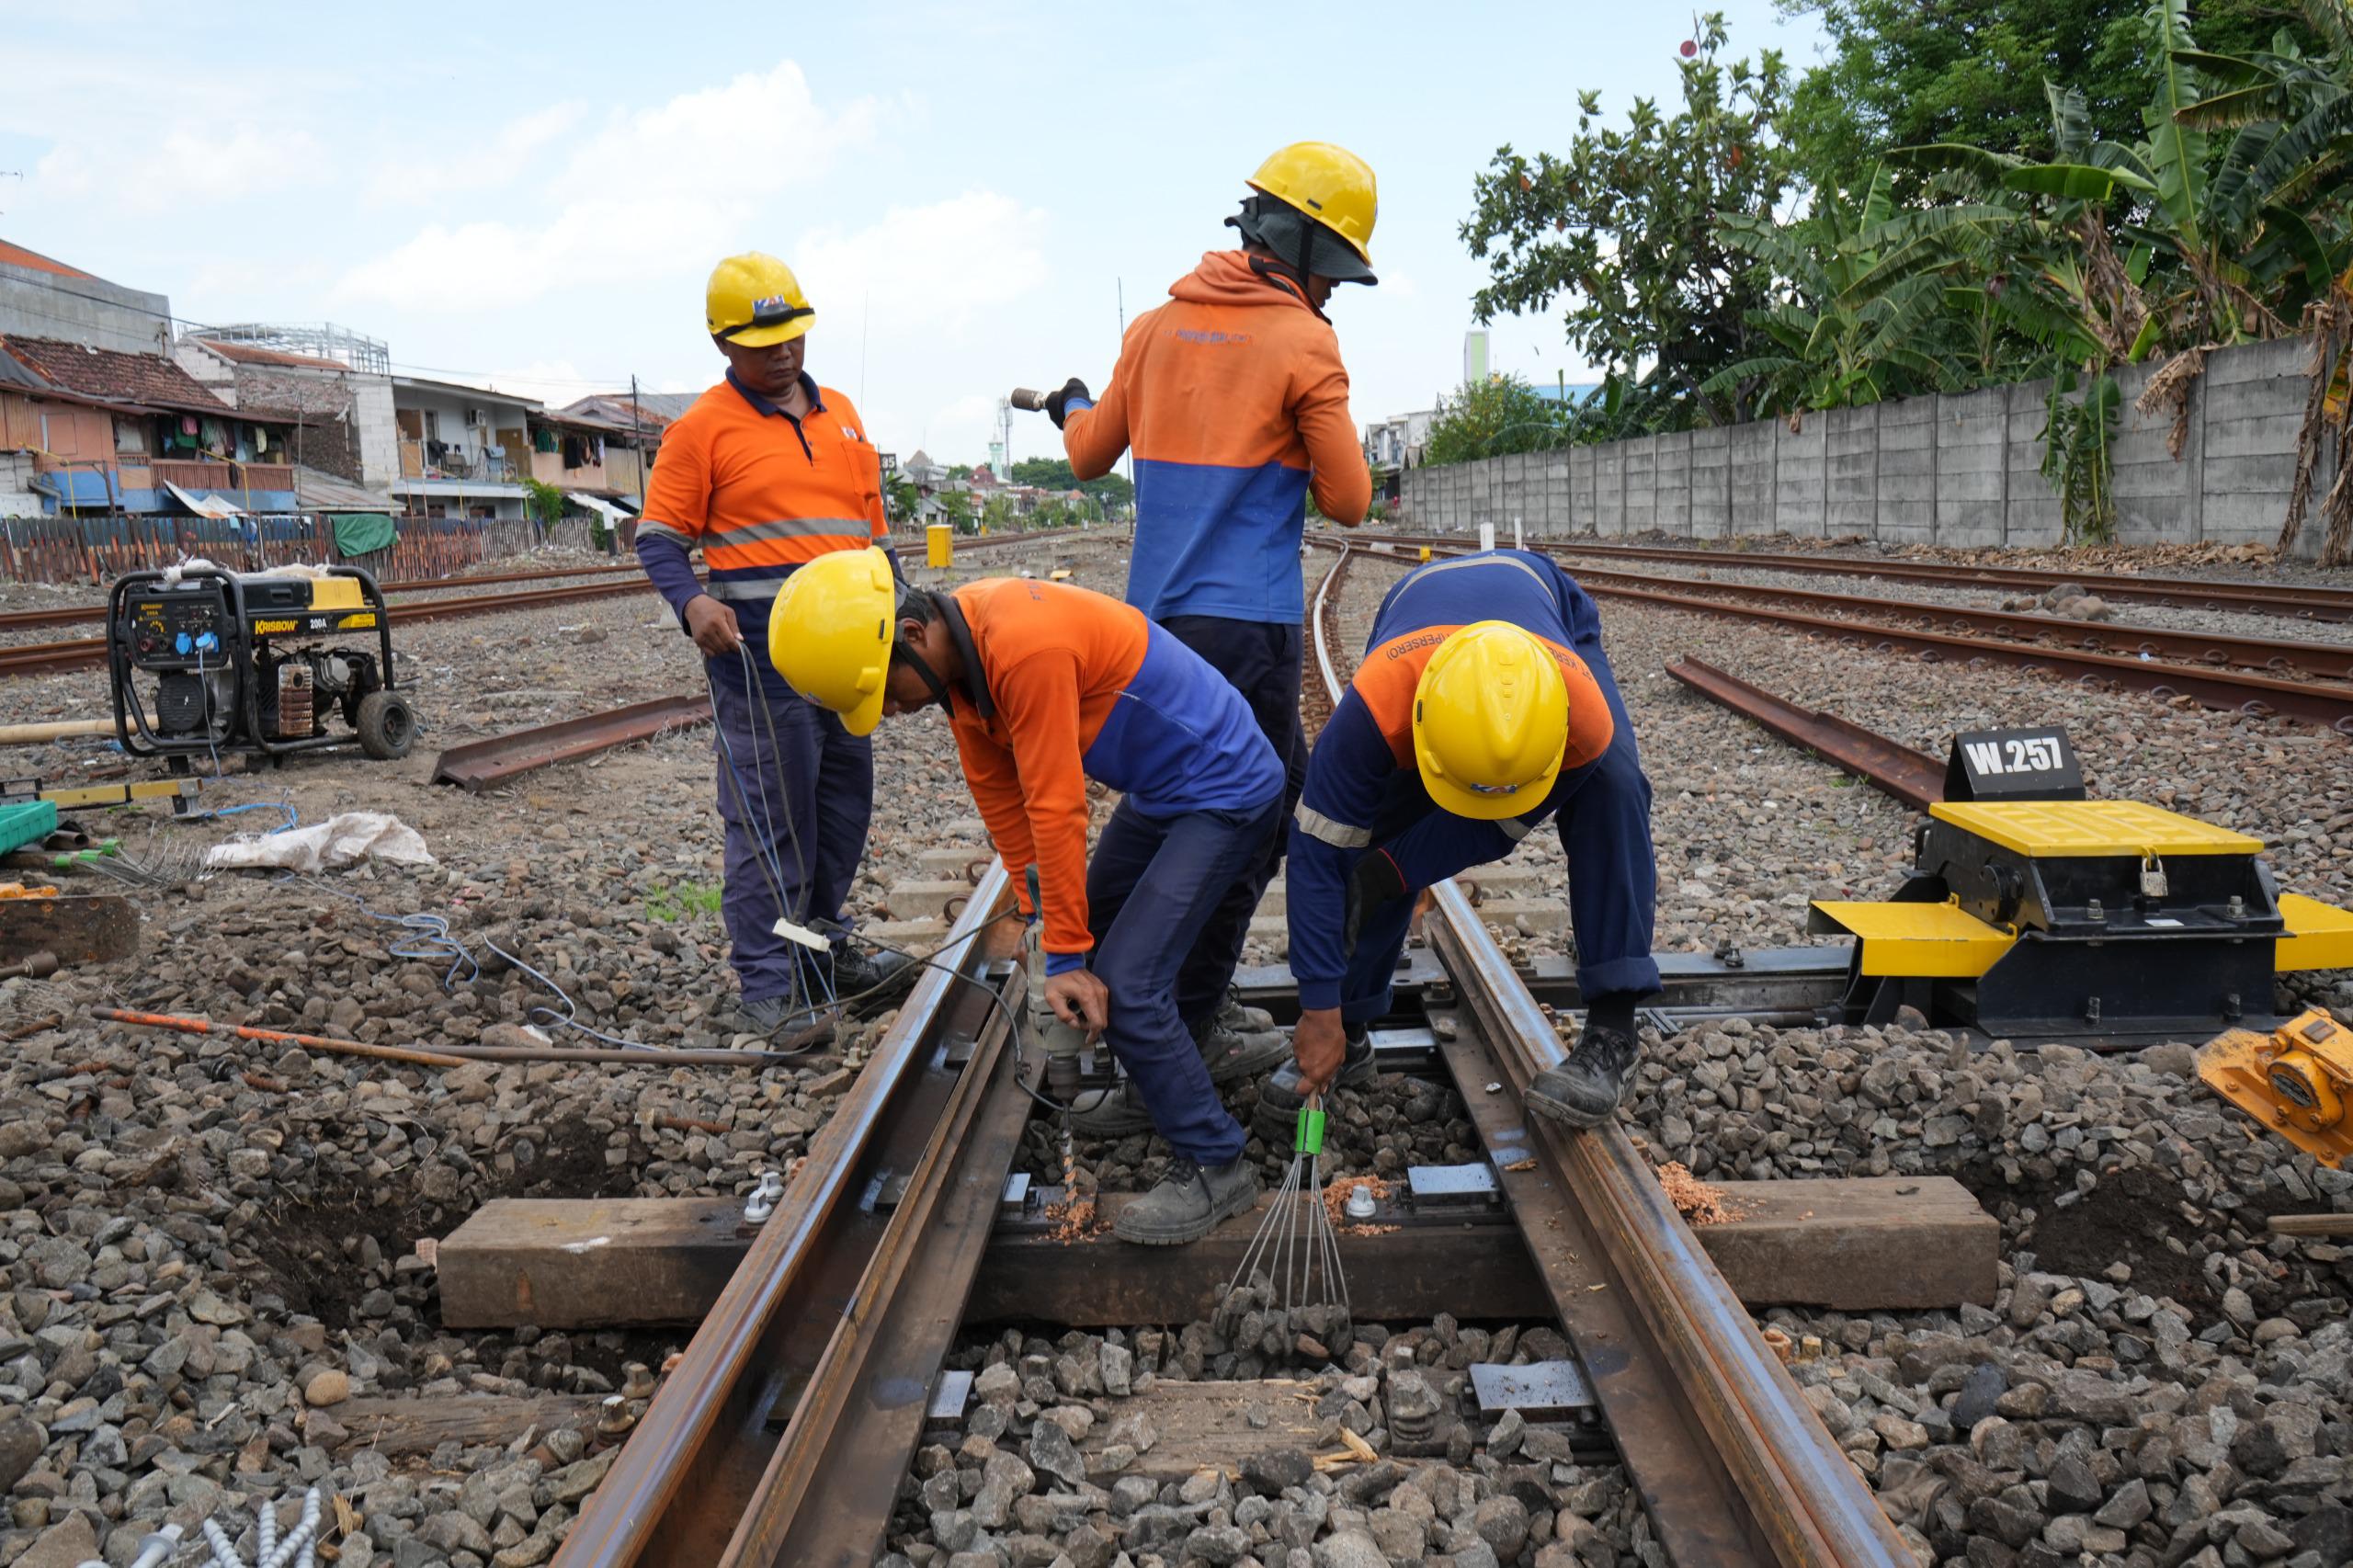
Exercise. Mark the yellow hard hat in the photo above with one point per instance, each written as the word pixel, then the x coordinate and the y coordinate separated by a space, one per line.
pixel 829 635
pixel 1491 721
pixel 1329 184
pixel 754 300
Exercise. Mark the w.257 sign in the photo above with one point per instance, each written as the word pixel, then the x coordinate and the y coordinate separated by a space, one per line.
pixel 2014 765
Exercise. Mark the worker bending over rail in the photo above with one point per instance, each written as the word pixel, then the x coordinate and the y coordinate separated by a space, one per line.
pixel 1235 403
pixel 1047 685
pixel 1483 704
pixel 766 472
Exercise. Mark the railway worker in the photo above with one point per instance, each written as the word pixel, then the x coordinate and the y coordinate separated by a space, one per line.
pixel 766 472
pixel 1234 400
pixel 1482 706
pixel 1047 685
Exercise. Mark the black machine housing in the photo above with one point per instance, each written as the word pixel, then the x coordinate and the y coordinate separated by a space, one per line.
pixel 214 643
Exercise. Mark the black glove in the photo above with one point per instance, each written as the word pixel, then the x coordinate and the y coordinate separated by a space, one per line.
pixel 1057 402
pixel 1375 881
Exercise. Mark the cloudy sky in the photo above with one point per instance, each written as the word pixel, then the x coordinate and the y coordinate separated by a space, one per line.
pixel 531 197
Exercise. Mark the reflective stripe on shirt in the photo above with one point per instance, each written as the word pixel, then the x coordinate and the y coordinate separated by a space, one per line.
pixel 1338 835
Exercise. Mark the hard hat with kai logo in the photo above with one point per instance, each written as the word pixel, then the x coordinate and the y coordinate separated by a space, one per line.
pixel 754 301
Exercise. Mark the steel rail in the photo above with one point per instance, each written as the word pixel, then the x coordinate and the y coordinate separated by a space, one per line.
pixel 2229 691
pixel 693 1468
pixel 1914 778
pixel 1319 619
pixel 485 763
pixel 90 653
pixel 73 615
pixel 1792 1499
pixel 2286 601
pixel 1734 1468
pixel 2324 661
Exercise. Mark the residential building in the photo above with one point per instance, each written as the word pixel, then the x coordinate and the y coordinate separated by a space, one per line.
pixel 341 411
pixel 621 436
pixel 88 429
pixel 463 451
pixel 44 298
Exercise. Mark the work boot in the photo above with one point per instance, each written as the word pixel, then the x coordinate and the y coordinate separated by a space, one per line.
pixel 1114 1112
pixel 1189 1201
pixel 778 1018
pixel 1243 1019
pixel 1232 1050
pixel 1279 1099
pixel 1585 1090
pixel 871 977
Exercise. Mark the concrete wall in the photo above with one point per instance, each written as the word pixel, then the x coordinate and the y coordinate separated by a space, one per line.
pixel 34 303
pixel 1961 471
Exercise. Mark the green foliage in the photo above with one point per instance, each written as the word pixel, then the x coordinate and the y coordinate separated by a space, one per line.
pixel 684 901
pixel 1900 73
pixel 1112 489
pixel 2078 429
pixel 1624 228
pixel 1491 419
pixel 543 501
pixel 956 506
pixel 901 497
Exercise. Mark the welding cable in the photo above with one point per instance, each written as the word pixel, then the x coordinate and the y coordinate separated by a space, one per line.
pixel 761 824
pixel 801 872
pixel 204 688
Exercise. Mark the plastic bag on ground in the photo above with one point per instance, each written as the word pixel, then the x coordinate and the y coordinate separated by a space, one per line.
pixel 340 841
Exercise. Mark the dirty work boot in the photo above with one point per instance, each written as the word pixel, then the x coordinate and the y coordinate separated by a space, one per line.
pixel 1115 1112
pixel 1279 1099
pixel 1232 1047
pixel 1189 1201
pixel 1585 1090
pixel 778 1018
pixel 871 977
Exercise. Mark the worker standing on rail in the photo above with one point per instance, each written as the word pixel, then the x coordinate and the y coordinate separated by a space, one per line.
pixel 766 472
pixel 1047 685
pixel 1483 704
pixel 1234 400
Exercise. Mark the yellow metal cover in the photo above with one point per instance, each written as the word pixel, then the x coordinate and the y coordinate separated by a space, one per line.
pixel 336 593
pixel 1921 941
pixel 2319 935
pixel 2055 830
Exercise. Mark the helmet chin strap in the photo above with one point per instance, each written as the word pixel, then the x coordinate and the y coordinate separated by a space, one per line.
pixel 901 654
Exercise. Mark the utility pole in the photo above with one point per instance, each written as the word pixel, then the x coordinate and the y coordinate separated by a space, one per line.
pixel 636 434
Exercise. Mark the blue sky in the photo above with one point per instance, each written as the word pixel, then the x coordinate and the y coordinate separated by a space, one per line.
pixel 533 196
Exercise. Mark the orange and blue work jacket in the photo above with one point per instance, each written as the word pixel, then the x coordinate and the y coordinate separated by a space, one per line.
pixel 1371 739
pixel 760 493
pixel 1061 685
pixel 1235 399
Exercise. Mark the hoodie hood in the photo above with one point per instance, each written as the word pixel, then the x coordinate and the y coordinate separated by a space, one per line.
pixel 1226 277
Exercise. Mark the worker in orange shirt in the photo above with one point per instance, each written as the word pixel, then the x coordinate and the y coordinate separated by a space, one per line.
pixel 766 472
pixel 1047 685
pixel 1235 403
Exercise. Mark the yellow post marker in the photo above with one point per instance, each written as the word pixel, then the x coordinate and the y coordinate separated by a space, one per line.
pixel 1426 552
pixel 940 545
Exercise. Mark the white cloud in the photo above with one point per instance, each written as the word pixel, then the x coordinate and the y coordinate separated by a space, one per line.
pixel 931 268
pixel 188 165
pixel 649 187
pixel 412 178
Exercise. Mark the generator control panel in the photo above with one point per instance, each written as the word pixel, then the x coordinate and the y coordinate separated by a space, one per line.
pixel 180 629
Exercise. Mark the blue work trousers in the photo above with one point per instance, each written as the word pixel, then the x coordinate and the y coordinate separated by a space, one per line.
pixel 795 790
pixel 1151 890
pixel 1602 811
pixel 1261 661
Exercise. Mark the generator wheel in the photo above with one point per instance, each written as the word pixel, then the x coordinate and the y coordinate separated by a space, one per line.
pixel 387 725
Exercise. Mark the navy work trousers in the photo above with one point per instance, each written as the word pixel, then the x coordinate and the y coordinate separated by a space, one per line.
pixel 1602 811
pixel 1261 660
pixel 795 790
pixel 1151 891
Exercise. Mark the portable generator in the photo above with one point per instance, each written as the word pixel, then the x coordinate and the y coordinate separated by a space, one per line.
pixel 239 662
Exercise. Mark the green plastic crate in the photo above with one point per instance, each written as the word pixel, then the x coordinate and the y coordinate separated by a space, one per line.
pixel 25 821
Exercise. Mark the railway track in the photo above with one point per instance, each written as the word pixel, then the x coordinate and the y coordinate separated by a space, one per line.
pixel 77 615
pixel 782 1434
pixel 1979 635
pixel 2285 601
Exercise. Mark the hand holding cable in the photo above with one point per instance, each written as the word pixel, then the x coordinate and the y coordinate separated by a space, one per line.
pixel 713 627
pixel 1080 1000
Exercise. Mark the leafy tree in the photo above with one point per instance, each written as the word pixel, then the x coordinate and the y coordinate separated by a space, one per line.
pixel 956 506
pixel 901 497
pixel 1491 419
pixel 543 501
pixel 1900 73
pixel 1112 489
pixel 1624 228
